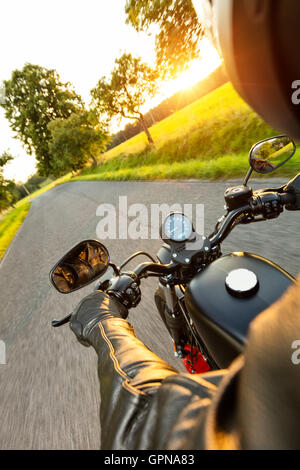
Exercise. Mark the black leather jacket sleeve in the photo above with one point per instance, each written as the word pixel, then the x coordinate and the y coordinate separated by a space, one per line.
pixel 146 404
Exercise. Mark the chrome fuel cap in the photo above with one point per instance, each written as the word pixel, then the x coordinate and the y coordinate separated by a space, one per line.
pixel 241 282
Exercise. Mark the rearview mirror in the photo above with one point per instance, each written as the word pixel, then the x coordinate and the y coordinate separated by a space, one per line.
pixel 80 266
pixel 269 154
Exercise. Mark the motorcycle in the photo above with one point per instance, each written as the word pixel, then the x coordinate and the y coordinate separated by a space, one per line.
pixel 206 300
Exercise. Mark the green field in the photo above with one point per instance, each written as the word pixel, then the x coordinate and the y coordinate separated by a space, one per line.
pixel 208 139
pixel 10 224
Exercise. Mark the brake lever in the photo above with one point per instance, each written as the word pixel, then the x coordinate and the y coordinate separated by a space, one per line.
pixel 63 321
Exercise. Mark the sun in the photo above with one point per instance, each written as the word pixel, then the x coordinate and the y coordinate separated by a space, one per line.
pixel 197 71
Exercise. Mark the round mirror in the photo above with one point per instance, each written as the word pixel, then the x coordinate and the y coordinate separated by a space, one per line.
pixel 269 154
pixel 81 265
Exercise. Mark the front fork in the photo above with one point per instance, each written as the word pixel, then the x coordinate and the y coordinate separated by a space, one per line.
pixel 173 316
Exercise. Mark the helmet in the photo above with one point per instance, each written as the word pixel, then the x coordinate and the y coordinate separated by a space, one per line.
pixel 259 40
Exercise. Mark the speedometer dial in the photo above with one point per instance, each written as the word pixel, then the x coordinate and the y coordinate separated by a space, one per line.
pixel 177 227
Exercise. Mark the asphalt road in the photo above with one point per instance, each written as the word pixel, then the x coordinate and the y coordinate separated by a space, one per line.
pixel 49 392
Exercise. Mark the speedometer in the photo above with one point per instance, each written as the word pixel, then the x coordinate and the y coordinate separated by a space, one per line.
pixel 177 228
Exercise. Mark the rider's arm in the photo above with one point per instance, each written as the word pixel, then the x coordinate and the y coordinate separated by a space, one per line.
pixel 145 403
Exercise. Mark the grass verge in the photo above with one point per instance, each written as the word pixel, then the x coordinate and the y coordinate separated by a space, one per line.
pixel 227 167
pixel 10 224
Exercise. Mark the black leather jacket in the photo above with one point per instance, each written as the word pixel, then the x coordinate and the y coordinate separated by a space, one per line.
pixel 146 404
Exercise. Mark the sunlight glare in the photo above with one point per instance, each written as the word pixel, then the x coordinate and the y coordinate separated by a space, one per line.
pixel 198 70
pixel 20 168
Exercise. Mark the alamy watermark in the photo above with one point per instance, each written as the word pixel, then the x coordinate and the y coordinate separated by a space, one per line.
pixel 296 93
pixel 2 352
pixel 296 354
pixel 140 221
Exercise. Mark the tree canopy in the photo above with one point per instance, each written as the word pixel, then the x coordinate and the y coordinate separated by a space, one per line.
pixel 131 83
pixel 177 41
pixel 35 96
pixel 74 141
pixel 5 158
pixel 8 193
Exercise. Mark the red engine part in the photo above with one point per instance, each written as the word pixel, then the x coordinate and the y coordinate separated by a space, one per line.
pixel 197 363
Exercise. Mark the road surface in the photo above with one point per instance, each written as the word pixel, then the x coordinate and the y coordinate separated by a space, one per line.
pixel 49 387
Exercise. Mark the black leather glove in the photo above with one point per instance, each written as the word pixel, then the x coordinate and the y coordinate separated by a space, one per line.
pixel 90 311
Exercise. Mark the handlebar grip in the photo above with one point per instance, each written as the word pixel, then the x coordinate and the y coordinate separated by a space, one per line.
pixel 268 204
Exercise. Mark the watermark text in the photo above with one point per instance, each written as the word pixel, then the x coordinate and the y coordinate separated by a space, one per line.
pixel 2 352
pixel 296 354
pixel 140 221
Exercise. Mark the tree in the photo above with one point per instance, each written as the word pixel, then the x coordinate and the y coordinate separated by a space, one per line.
pixel 5 158
pixel 177 42
pixel 4 193
pixel 35 96
pixel 131 83
pixel 8 192
pixel 74 141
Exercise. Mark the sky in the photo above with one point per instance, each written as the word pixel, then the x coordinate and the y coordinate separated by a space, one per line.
pixel 80 39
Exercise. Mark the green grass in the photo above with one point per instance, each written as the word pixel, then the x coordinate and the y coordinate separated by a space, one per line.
pixel 10 224
pixel 208 139
pixel 227 167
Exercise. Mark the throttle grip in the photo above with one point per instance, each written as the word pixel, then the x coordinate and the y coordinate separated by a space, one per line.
pixel 125 289
pixel 268 204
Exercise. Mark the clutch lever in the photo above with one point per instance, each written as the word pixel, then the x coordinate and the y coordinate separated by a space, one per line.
pixel 63 321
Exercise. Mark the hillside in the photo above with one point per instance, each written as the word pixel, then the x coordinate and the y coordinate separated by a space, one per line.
pixel 171 105
pixel 209 138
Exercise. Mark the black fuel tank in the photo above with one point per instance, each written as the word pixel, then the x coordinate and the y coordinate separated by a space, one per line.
pixel 222 314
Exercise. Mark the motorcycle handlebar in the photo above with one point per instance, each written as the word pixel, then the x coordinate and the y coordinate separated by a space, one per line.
pixel 225 229
pixel 268 203
pixel 257 206
pixel 283 198
pixel 154 268
pixel 227 224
